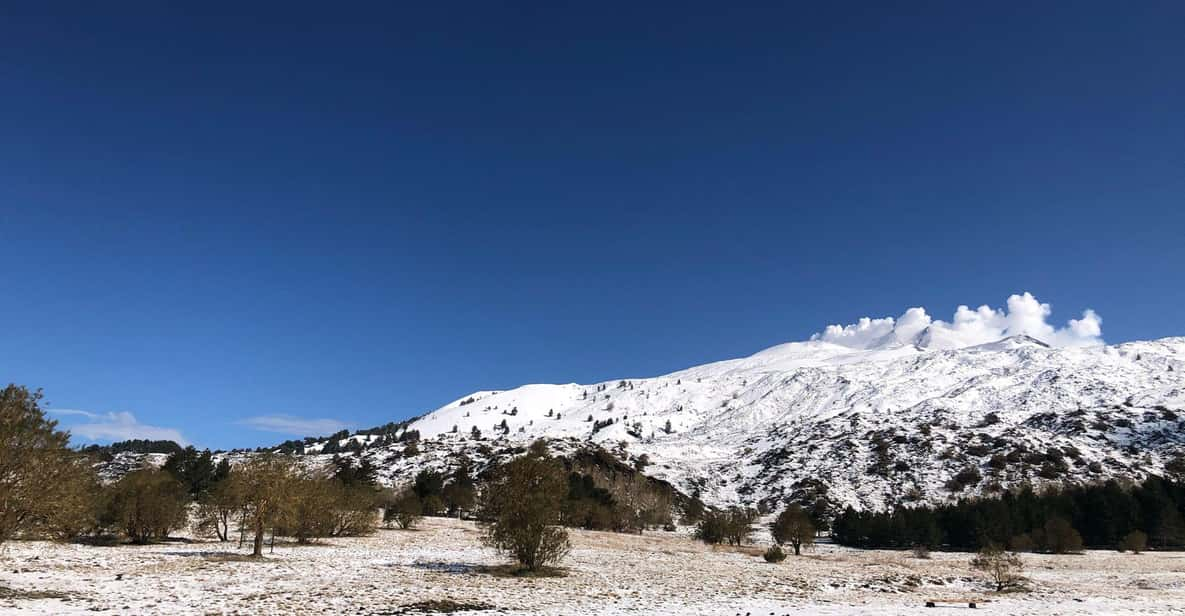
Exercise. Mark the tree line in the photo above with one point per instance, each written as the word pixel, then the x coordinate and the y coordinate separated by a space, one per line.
pixel 1112 514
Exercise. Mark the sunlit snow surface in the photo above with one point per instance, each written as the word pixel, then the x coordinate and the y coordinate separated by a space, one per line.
pixel 870 427
pixel 754 428
pixel 612 574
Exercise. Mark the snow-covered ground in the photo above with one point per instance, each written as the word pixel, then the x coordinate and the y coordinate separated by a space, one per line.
pixel 659 573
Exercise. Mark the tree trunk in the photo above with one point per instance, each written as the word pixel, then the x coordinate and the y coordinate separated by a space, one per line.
pixel 257 550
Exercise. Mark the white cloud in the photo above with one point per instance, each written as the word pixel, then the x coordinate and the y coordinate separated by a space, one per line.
pixel 116 427
pixel 295 426
pixel 1023 314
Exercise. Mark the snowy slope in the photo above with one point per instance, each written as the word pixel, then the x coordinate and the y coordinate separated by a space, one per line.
pixel 878 412
pixel 888 423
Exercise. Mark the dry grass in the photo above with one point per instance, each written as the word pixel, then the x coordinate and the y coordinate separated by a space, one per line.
pixel 607 573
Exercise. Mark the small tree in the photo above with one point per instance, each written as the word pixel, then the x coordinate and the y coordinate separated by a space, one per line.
pixel 405 511
pixel 215 510
pixel 1170 529
pixel 522 506
pixel 1004 569
pixel 37 469
pixel 1134 542
pixel 354 510
pixel 460 493
pixel 1061 538
pixel 148 504
pixel 308 509
pixel 711 528
pixel 263 485
pixel 693 511
pixel 1022 543
pixel 733 526
pixel 196 471
pixel 793 526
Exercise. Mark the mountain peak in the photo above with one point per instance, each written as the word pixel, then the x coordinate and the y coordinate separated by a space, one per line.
pixel 868 423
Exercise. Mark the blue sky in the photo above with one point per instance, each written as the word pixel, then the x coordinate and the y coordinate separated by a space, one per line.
pixel 221 220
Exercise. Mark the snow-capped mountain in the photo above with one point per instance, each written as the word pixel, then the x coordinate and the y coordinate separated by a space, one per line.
pixel 879 412
pixel 889 423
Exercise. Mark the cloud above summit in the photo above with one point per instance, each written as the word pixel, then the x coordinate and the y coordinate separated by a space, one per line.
pixel 1022 315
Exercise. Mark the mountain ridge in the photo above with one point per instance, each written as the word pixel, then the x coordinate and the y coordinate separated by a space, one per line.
pixel 895 423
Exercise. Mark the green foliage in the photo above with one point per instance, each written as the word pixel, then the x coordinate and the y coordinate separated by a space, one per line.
pixel 693 512
pixel 133 446
pixel 196 471
pixel 429 484
pixel 215 509
pixel 1097 515
pixel 351 473
pixel 460 494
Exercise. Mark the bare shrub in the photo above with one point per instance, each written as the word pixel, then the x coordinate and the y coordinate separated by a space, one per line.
pixel 45 488
pixel 146 505
pixel 522 508
pixel 404 510
pixel 1004 569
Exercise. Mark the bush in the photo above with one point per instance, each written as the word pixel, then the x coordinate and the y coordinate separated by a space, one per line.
pixel 308 512
pixel 711 527
pixel 523 506
pixel 43 485
pixel 921 551
pixel 404 511
pixel 1022 543
pixel 1134 542
pixel 969 476
pixel 432 504
pixel 1003 569
pixel 1061 538
pixel 733 526
pixel 353 512
pixel 214 511
pixel 774 554
pixel 146 505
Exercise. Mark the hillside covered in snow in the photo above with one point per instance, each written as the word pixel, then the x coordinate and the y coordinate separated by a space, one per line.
pixel 879 412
